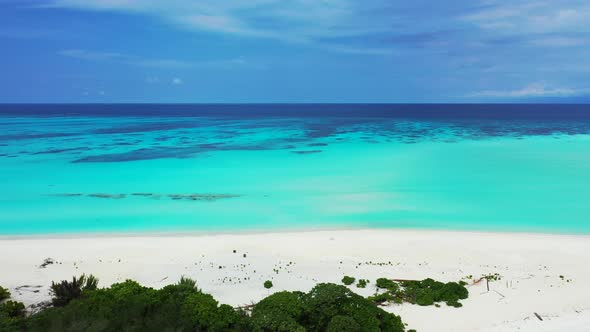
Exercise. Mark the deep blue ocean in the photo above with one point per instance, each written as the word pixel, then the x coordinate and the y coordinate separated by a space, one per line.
pixel 400 111
pixel 99 168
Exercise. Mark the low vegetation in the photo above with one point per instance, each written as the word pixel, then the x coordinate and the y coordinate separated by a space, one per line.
pixel 327 307
pixel 268 284
pixel 424 293
pixel 388 284
pixel 492 277
pixel 128 306
pixel 348 280
pixel 79 305
pixel 362 283
pixel 65 291
pixel 4 294
pixel 12 313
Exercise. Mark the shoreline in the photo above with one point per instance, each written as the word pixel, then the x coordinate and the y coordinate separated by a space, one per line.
pixel 251 231
pixel 541 273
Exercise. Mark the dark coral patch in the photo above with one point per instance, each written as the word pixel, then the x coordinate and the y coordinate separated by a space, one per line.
pixel 176 197
pixel 306 151
pixel 68 195
pixel 112 196
pixel 147 154
pixel 201 197
pixel 17 137
pixel 147 127
pixel 56 151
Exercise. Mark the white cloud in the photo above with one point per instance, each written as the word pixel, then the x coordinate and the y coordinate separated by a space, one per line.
pixel 151 63
pixel 96 56
pixel 321 23
pixel 177 81
pixel 560 41
pixel 532 90
pixel 124 58
pixel 300 21
pixel 528 16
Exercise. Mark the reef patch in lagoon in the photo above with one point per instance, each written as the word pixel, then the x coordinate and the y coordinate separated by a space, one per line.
pixel 176 197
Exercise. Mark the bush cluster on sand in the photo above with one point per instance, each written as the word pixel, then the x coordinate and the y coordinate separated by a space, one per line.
pixel 327 307
pixel 81 306
pixel 388 284
pixel 348 280
pixel 12 313
pixel 4 294
pixel 424 293
pixel 362 283
pixel 65 291
pixel 128 306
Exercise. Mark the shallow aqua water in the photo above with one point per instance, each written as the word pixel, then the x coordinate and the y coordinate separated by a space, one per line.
pixel 289 173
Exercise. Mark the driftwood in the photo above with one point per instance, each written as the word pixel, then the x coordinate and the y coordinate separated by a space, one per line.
pixel 536 314
pixel 380 303
pixel 38 307
pixel 475 282
pixel 47 261
pixel 27 286
pixel 502 295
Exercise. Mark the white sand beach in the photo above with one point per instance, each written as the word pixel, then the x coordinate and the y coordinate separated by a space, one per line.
pixel 540 273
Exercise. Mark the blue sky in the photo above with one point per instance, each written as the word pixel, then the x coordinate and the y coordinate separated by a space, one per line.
pixel 294 51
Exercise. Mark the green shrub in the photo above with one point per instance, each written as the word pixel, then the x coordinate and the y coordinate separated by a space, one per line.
pixel 268 284
pixel 425 292
pixel 65 291
pixel 428 291
pixel 282 311
pixel 492 277
pixel 385 283
pixel 326 301
pixel 454 303
pixel 187 282
pixel 13 309
pixel 348 280
pixel 128 306
pixel 327 307
pixel 362 283
pixel 381 298
pixel 423 297
pixel 12 313
pixel 10 324
pixel 201 312
pixel 343 324
pixel 4 294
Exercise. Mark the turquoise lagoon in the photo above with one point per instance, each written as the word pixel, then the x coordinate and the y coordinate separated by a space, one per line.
pixel 112 173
